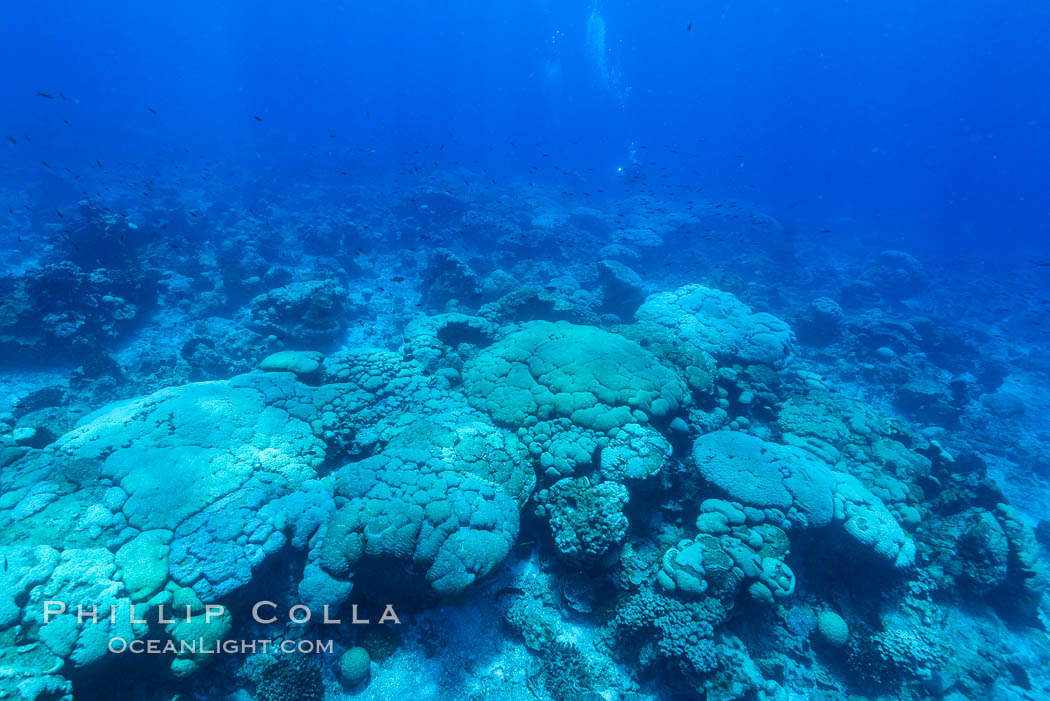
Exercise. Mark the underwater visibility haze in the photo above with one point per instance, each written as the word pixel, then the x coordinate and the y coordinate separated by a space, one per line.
pixel 556 350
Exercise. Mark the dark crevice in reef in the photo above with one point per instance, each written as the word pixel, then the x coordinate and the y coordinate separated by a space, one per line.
pixel 144 677
pixel 455 333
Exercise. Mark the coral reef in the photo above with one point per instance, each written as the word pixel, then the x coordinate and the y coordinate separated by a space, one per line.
pixel 656 486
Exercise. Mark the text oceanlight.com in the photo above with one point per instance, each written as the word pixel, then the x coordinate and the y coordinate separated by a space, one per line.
pixel 263 613
pixel 214 647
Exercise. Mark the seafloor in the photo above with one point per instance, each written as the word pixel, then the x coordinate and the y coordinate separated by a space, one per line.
pixel 644 449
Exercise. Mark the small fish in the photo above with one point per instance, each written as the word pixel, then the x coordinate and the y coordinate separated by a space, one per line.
pixel 12 139
pixel 45 164
pixel 191 212
pixel 397 278
pixel 59 213
pixel 98 163
pixel 442 147
pixel 151 110
pixel 331 136
pixel 45 95
pixel 256 117
pixel 517 591
pixel 689 27
pixel 1043 265
pixel 65 121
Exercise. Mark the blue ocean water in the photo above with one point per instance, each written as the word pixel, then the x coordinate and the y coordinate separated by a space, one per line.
pixel 626 351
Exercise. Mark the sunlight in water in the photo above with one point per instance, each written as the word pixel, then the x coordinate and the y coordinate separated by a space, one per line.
pixel 598 54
